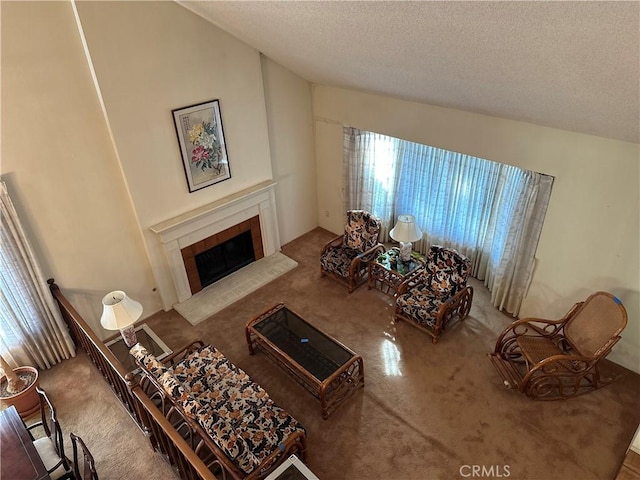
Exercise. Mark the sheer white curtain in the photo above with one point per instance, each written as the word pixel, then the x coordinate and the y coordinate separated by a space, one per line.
pixel 32 331
pixel 491 212
pixel 371 174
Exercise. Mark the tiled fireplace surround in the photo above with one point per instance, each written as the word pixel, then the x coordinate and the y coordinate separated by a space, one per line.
pixel 205 226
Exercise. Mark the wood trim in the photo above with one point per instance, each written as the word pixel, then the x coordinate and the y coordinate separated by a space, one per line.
pixel 161 435
pixel 189 253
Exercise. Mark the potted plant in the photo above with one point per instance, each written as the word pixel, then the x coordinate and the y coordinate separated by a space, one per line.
pixel 18 388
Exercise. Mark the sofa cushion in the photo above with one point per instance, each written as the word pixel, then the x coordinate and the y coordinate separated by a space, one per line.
pixel 267 429
pixel 164 376
pixel 223 435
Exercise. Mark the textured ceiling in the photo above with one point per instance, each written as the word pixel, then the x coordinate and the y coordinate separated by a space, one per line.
pixel 568 65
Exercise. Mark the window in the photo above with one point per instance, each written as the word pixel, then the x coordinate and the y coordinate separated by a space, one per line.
pixel 32 331
pixel 489 211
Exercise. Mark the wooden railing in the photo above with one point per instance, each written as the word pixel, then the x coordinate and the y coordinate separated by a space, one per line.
pixel 162 436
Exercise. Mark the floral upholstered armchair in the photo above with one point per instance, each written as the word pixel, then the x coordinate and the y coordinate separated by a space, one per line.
pixel 346 258
pixel 439 294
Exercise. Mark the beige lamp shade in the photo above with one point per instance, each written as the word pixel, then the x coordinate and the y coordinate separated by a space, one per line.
pixel 119 311
pixel 406 229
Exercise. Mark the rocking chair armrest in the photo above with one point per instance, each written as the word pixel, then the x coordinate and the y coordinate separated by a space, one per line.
pixel 546 328
pixel 531 321
pixel 538 325
pixel 561 361
pixel 332 243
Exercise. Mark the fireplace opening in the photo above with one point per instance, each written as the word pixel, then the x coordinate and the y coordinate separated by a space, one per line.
pixel 225 258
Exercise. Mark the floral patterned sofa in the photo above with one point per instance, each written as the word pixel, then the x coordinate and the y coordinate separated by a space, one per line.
pixel 230 419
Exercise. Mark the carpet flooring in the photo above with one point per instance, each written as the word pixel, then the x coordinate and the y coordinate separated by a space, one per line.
pixel 426 411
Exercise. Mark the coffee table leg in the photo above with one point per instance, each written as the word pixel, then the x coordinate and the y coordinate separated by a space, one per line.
pixel 337 390
pixel 247 333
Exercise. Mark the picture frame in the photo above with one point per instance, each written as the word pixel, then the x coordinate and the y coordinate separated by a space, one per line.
pixel 202 144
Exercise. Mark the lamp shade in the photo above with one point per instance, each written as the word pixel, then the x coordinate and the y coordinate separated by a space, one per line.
pixel 406 229
pixel 119 311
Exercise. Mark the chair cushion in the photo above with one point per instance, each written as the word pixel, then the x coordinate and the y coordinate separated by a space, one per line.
pixel 338 260
pixel 49 456
pixel 446 271
pixel 421 304
pixel 361 231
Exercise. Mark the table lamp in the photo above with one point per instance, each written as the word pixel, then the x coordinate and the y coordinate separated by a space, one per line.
pixel 119 312
pixel 405 232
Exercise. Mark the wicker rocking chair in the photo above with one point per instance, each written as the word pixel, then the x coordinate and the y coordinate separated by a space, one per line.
pixel 346 258
pixel 559 359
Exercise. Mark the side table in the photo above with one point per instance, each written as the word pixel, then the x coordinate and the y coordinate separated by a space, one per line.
pixel 388 272
pixel 147 338
pixel 292 469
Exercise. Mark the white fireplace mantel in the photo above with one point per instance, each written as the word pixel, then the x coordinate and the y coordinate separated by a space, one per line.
pixel 202 222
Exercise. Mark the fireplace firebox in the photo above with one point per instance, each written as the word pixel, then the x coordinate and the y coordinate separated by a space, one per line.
pixel 219 255
pixel 224 259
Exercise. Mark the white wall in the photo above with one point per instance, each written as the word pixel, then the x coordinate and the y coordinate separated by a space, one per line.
pixel 59 163
pixel 590 240
pixel 290 119
pixel 150 58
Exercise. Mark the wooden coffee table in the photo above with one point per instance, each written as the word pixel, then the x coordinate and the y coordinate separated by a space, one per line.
pixel 324 366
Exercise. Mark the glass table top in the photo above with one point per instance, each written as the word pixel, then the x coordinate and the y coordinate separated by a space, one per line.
pixel 313 350
pixel 391 261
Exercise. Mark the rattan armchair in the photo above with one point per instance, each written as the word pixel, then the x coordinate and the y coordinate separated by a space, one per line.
pixel 436 296
pixel 346 258
pixel 558 359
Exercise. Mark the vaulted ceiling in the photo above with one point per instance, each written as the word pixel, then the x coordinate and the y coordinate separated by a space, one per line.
pixel 567 65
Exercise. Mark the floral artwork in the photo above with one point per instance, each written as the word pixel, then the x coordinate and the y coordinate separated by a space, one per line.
pixel 202 145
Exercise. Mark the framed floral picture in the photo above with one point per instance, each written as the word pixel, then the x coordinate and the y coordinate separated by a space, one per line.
pixel 201 139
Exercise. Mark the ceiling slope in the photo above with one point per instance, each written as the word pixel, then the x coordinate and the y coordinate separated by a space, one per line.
pixel 568 65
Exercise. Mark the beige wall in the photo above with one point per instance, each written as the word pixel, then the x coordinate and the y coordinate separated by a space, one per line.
pixel 290 119
pixel 60 165
pixel 90 184
pixel 590 240
pixel 150 58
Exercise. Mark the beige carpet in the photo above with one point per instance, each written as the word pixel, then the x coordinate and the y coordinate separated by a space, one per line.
pixel 426 411
pixel 232 288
